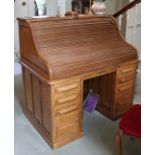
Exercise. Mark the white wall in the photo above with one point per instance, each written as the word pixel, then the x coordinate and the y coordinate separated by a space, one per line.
pixel 51 7
pixel 64 6
pixel 68 5
pixel 21 11
pixel 133 34
pixel 121 3
pixel 111 6
pixel 61 6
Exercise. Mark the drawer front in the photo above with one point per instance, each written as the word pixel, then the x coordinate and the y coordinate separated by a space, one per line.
pixel 67 122
pixel 66 87
pixel 124 97
pixel 67 115
pixel 126 73
pixel 67 132
pixel 125 91
pixel 67 98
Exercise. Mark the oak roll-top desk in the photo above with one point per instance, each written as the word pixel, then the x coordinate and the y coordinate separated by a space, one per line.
pixel 62 59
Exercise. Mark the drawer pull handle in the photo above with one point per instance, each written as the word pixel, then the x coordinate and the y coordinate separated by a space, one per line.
pixel 122 80
pixel 66 110
pixel 127 70
pixel 66 99
pixel 124 88
pixel 67 88
pixel 100 72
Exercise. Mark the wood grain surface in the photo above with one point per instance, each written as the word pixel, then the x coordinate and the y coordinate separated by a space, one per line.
pixel 62 59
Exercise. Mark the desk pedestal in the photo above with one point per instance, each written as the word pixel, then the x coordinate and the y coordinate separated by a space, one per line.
pixel 55 109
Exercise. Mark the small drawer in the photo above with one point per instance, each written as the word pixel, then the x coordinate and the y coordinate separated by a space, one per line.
pixel 126 73
pixel 67 122
pixel 125 91
pixel 66 87
pixel 67 99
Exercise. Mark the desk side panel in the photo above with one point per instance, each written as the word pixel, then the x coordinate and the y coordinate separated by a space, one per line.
pixel 38 104
pixel 28 50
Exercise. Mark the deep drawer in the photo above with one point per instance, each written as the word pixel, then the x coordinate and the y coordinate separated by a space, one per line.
pixel 72 130
pixel 124 97
pixel 67 115
pixel 67 122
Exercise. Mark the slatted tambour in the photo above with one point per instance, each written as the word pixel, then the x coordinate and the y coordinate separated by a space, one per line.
pixel 62 59
pixel 83 44
pixel 66 30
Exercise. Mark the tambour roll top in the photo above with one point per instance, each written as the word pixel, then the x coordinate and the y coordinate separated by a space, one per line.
pixel 62 47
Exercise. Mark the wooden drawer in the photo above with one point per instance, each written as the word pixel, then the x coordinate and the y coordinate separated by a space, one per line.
pixel 68 132
pixel 67 98
pixel 124 97
pixel 66 87
pixel 67 122
pixel 59 111
pixel 125 91
pixel 126 73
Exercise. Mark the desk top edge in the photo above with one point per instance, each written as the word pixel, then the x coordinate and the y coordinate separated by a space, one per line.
pixel 56 18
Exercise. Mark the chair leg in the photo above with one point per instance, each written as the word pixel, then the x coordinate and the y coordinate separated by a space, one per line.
pixel 118 141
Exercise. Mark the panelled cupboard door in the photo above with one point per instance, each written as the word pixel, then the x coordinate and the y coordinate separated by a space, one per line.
pixel 28 90
pixel 37 99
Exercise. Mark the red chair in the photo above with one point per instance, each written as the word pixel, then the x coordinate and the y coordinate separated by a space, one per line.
pixel 130 124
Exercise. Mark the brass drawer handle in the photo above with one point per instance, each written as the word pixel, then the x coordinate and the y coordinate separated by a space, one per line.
pixel 67 88
pixel 66 110
pixel 127 70
pixel 66 99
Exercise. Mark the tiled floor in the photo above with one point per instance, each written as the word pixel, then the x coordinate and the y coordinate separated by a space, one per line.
pixel 98 139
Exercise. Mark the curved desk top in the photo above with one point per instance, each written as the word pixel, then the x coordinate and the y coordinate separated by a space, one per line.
pixel 63 47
